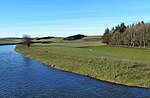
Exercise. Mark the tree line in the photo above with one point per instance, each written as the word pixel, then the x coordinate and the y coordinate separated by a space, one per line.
pixel 75 37
pixel 136 35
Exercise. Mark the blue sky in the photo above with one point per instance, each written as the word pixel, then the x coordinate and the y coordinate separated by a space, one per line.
pixel 68 17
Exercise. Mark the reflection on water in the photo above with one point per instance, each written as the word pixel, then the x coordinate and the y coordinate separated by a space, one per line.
pixel 21 77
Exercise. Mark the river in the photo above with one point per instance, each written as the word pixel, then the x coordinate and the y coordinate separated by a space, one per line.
pixel 21 77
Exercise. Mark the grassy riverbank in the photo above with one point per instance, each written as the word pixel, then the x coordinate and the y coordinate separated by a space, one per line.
pixel 128 66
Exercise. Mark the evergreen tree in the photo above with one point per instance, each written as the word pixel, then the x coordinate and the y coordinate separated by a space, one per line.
pixel 106 36
pixel 132 35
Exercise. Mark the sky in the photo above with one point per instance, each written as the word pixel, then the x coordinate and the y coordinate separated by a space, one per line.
pixel 62 18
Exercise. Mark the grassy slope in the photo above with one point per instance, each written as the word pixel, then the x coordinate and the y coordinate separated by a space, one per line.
pixel 6 41
pixel 92 38
pixel 113 64
pixel 56 39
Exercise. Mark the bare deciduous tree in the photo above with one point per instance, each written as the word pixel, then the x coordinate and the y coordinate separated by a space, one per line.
pixel 26 40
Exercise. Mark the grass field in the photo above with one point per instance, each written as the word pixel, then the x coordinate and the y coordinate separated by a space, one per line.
pixel 128 66
pixel 92 38
pixel 9 41
pixel 60 39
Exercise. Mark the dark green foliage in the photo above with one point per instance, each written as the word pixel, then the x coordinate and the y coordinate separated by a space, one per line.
pixel 132 35
pixel 75 37
pixel 106 37
pixel 49 37
pixel 122 28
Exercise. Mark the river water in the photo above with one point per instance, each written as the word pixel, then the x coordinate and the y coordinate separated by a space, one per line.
pixel 21 77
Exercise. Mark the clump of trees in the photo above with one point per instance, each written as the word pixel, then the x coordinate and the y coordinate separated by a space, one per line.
pixel 48 37
pixel 26 40
pixel 75 37
pixel 136 35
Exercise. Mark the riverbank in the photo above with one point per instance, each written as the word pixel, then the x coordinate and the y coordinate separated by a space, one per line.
pixel 127 66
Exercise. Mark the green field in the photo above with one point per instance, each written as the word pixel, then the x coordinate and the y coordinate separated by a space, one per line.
pixel 60 39
pixel 92 38
pixel 128 66
pixel 9 41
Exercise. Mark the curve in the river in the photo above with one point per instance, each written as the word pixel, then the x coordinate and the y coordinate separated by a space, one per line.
pixel 21 77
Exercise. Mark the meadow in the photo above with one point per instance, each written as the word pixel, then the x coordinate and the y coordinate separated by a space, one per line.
pixel 9 41
pixel 122 65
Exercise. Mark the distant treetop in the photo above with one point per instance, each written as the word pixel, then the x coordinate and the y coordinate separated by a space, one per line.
pixel 75 37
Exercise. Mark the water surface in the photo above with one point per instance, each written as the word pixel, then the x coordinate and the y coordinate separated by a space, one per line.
pixel 21 77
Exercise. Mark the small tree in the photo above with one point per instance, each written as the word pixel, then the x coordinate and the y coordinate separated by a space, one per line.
pixel 26 40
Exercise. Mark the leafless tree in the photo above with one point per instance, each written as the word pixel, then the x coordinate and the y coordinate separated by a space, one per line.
pixel 27 40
